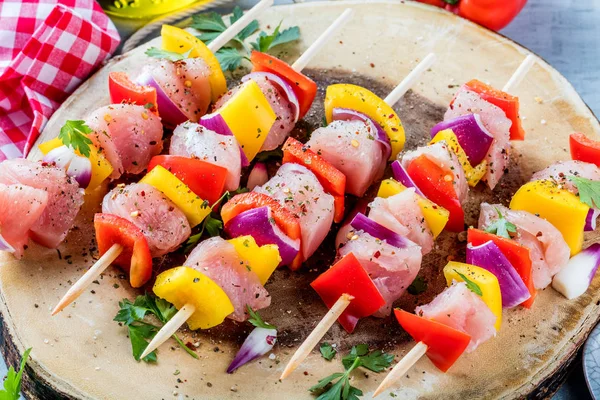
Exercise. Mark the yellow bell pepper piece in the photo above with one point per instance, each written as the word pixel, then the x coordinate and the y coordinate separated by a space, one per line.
pixel 435 216
pixel 249 116
pixel 180 41
pixel 357 98
pixel 558 206
pixel 101 168
pixel 473 174
pixel 262 260
pixel 194 208
pixel 183 285
pixel 487 282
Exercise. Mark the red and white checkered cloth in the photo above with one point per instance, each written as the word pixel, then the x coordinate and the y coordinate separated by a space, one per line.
pixel 47 48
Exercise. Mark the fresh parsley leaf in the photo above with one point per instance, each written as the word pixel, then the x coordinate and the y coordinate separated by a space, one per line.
pixel 208 37
pixel 327 351
pixel 12 383
pixel 155 52
pixel 265 156
pixel 248 30
pixel 211 22
pixel 341 389
pixel 501 226
pixel 589 191
pixel 472 286
pixel 287 35
pixel 212 224
pixel 229 58
pixel 266 42
pixel 257 321
pixel 375 361
pixel 418 286
pixel 133 314
pixel 74 134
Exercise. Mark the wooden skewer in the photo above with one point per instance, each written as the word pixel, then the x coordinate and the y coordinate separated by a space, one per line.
pixel 94 272
pixel 520 73
pixel 315 336
pixel 318 44
pixel 238 25
pixel 169 328
pixel 402 367
pixel 410 80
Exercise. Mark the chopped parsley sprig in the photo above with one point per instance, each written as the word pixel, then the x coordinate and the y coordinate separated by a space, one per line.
pixel 12 382
pixel 501 226
pixel 73 134
pixel 589 191
pixel 257 321
pixel 472 286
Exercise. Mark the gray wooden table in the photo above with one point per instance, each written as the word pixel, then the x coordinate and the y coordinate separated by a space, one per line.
pixel 566 33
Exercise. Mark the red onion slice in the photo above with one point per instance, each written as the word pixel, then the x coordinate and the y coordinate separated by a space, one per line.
pixel 489 257
pixel 401 175
pixel 472 135
pixel 60 156
pixel 258 343
pixel 361 223
pixel 170 114
pixel 258 176
pixel 216 123
pixel 346 114
pixel 284 86
pixel 575 278
pixel 258 223
pixel 5 246
pixel 590 220
pixel 81 169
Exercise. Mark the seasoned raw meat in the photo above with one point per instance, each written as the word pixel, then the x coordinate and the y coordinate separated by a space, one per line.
pixel 440 154
pixel 65 197
pixel 350 146
pixel 21 207
pixel 298 189
pixel 401 213
pixel 548 250
pixel 218 259
pixel 186 83
pixel 495 121
pixel 164 225
pixel 463 310
pixel 193 140
pixel 129 136
pixel 281 106
pixel 562 170
pixel 391 268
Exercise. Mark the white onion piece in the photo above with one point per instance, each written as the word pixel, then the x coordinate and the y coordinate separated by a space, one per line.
pixel 81 169
pixel 258 176
pixel 5 246
pixel 60 156
pixel 575 278
pixel 285 87
pixel 258 343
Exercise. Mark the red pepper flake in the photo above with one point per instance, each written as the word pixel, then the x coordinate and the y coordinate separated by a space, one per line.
pixel 142 193
pixel 377 254
pixel 372 65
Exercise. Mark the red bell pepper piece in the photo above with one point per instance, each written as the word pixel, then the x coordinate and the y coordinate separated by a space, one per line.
pixel 508 103
pixel 584 148
pixel 123 90
pixel 436 185
pixel 135 258
pixel 444 344
pixel 304 87
pixel 348 276
pixel 331 178
pixel 516 254
pixel 204 179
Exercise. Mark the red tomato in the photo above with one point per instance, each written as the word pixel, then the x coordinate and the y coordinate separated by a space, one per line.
pixel 436 185
pixel 445 344
pixel 135 258
pixel 584 148
pixel 332 180
pixel 304 87
pixel 493 14
pixel 123 90
pixel 509 104
pixel 204 179
pixel 347 276
pixel 515 253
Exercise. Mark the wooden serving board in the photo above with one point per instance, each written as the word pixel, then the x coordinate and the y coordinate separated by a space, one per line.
pixel 82 353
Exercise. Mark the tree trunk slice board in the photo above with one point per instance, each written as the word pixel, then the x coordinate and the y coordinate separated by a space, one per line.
pixel 83 354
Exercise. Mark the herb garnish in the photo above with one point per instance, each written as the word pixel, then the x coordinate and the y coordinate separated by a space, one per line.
pixel 155 52
pixel 472 286
pixel 230 57
pixel 589 191
pixel 212 224
pixel 327 351
pixel 12 383
pixel 74 134
pixel 256 320
pixel 501 226
pixel 359 356
pixel 133 315
pixel 418 286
